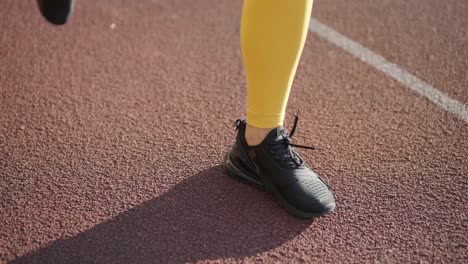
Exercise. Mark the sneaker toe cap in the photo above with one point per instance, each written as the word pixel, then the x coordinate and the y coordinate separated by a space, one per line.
pixel 311 195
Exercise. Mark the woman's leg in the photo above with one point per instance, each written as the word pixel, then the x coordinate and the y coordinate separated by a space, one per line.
pixel 273 33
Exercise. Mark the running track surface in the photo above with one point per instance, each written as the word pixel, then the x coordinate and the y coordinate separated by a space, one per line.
pixel 113 129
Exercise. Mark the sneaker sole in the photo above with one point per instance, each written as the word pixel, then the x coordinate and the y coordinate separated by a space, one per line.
pixel 237 171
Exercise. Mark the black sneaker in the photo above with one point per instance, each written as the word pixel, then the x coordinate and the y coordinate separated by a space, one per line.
pixel 275 166
pixel 56 12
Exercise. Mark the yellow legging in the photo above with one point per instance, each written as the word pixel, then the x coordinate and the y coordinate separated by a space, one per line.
pixel 273 33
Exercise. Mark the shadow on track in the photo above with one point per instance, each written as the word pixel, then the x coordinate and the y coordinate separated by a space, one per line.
pixel 207 216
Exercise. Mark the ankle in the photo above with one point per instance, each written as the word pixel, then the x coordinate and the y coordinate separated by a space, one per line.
pixel 255 135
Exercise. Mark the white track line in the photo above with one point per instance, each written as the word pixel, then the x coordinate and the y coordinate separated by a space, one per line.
pixel 390 69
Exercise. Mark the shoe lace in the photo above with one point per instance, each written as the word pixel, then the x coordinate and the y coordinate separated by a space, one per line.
pixel 291 152
pixel 284 148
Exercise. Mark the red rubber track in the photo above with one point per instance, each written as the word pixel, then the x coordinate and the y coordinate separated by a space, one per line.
pixel 427 38
pixel 111 139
